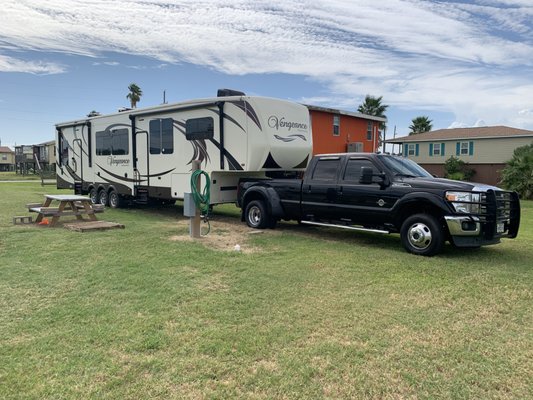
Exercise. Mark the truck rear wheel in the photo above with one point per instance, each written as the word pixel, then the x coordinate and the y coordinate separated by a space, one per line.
pixel 256 215
pixel 422 235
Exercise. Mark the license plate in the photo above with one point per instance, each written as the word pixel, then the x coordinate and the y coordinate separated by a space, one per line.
pixel 500 227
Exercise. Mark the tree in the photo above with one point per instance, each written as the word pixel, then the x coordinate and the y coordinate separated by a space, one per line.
pixel 134 95
pixel 518 174
pixel 372 106
pixel 420 125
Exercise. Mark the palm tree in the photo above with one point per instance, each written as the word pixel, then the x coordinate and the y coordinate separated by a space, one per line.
pixel 134 95
pixel 372 106
pixel 420 125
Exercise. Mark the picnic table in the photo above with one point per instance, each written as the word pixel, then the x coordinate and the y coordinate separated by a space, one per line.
pixel 68 205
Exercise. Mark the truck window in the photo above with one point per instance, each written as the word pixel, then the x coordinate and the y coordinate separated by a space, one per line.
pixel 352 173
pixel 326 169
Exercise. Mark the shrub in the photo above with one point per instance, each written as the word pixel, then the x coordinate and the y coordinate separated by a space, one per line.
pixel 518 174
pixel 457 169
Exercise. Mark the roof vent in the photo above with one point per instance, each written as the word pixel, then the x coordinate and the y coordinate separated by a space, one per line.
pixel 229 92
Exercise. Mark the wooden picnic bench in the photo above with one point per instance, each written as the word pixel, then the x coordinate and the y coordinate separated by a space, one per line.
pixel 69 205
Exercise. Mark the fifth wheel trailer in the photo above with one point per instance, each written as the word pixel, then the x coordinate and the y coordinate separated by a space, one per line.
pixel 146 154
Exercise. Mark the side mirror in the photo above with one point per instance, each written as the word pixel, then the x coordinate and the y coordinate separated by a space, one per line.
pixel 366 175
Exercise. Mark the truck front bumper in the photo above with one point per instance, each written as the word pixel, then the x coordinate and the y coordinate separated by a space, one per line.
pixel 463 225
pixel 466 231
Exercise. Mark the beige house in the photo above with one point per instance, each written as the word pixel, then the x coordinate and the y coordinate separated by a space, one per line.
pixel 485 149
pixel 7 159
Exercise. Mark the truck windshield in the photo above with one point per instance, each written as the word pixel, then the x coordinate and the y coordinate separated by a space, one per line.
pixel 401 166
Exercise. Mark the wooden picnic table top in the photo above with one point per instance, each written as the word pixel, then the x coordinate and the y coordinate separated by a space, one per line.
pixel 66 197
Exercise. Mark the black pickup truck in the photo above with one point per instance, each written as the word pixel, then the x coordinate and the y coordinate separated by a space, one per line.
pixel 386 194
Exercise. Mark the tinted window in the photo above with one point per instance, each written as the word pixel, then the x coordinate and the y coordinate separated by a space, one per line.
pixel 353 169
pixel 115 142
pixel 161 136
pixel 199 128
pixel 103 143
pixel 119 142
pixel 326 169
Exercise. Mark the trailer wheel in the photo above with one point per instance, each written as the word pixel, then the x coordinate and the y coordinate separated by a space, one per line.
pixel 256 215
pixel 93 194
pixel 421 234
pixel 103 197
pixel 115 201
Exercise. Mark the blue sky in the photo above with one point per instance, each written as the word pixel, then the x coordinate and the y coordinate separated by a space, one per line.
pixel 461 63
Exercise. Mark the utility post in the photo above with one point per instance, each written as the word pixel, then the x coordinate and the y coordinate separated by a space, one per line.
pixel 194 223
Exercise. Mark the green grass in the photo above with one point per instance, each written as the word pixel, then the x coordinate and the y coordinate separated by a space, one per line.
pixel 13 176
pixel 311 313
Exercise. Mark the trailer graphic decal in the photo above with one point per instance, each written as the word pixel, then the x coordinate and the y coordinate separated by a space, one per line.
pixel 159 174
pixel 290 138
pixel 249 110
pixel 118 177
pixel 200 149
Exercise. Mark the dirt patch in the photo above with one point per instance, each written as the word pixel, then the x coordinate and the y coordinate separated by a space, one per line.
pixel 225 235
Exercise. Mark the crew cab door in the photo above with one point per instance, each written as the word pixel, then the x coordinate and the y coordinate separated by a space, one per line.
pixel 360 203
pixel 319 190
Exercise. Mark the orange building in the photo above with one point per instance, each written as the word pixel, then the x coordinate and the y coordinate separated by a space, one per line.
pixel 338 131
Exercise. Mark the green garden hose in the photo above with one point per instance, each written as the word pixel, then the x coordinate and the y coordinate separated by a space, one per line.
pixel 202 200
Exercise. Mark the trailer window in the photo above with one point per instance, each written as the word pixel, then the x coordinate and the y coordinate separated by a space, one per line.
pixel 199 128
pixel 113 142
pixel 161 136
pixel 119 142
pixel 103 143
pixel 326 169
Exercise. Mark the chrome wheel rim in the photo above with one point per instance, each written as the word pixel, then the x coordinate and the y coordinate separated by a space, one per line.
pixel 103 198
pixel 94 196
pixel 113 200
pixel 419 236
pixel 254 215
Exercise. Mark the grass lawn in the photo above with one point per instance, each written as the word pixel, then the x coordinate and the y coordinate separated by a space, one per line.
pixel 13 176
pixel 301 312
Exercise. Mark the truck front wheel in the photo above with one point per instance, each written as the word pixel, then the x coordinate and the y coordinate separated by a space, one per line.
pixel 422 235
pixel 256 215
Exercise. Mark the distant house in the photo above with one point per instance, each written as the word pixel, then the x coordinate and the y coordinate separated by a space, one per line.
pixel 338 131
pixel 35 158
pixel 7 159
pixel 485 149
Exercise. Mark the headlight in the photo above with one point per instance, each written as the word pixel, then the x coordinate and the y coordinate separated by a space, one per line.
pixel 464 202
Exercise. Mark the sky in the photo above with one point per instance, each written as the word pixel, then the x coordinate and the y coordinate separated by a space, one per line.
pixel 461 63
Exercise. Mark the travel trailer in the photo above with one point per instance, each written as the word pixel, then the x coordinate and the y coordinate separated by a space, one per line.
pixel 144 155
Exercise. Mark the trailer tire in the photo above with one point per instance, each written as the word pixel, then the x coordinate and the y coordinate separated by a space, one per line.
pixel 115 200
pixel 103 198
pixel 256 215
pixel 93 194
pixel 422 235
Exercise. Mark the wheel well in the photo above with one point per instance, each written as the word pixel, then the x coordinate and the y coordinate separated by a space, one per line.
pixel 251 197
pixel 255 195
pixel 417 208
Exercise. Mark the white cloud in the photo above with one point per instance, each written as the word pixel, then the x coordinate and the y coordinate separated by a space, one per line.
pixel 417 54
pixel 10 64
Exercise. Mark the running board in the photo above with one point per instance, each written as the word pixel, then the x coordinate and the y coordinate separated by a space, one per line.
pixel 344 226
